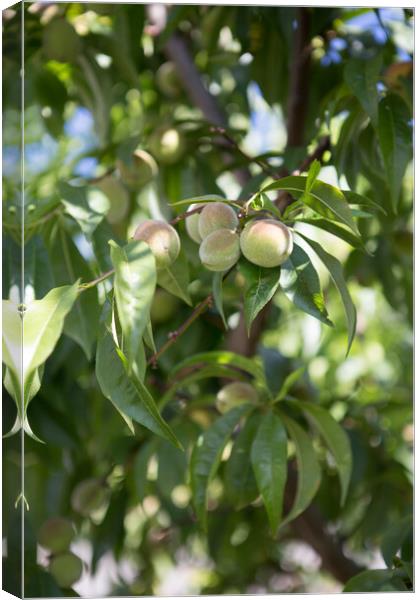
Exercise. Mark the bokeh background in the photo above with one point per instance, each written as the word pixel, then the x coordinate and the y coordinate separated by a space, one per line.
pixel 102 80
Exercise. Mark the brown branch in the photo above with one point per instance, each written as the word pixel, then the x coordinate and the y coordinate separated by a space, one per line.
pixel 299 80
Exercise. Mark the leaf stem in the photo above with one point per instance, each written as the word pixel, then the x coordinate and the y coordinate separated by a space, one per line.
pixel 90 284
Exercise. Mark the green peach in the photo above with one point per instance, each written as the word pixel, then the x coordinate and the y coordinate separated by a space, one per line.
pixel 88 496
pixel 220 250
pixel 56 534
pixel 66 568
pixel 214 216
pixel 191 224
pixel 234 394
pixel 162 239
pixel 266 242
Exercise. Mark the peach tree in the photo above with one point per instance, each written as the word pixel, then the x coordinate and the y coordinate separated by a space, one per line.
pixel 187 338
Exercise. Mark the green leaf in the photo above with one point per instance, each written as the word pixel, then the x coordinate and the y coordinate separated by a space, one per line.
pixel 363 202
pixel 337 230
pixel 336 439
pixel 140 468
pixel 261 201
pixel 336 272
pixel 362 77
pixel 300 282
pixel 148 337
pixel 85 205
pixel 395 140
pixel 313 173
pixel 81 324
pixel 269 461
pixel 394 538
pixel 323 198
pixel 127 393
pixel 261 285
pixel 219 371
pixel 308 469
pixel 28 342
pixel 202 200
pixel 222 358
pixel 217 289
pixel 376 580
pixel 206 456
pixel 241 486
pixel 175 279
pixel 134 287
pixel 289 382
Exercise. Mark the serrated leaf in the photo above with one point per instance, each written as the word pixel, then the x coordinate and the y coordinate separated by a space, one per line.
pixel 395 140
pixel 269 461
pixel 308 469
pixel 134 287
pixel 127 393
pixel 323 198
pixel 217 289
pixel 335 269
pixel 241 486
pixel 222 358
pixel 175 279
pixel 300 283
pixel 206 456
pixel 261 285
pixel 362 77
pixel 336 439
pixel 85 205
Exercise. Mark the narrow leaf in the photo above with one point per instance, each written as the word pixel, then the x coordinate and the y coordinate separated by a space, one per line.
pixel 269 461
pixel 308 469
pixel 337 230
pixel 241 486
pixel 206 456
pixel 300 282
pixel 261 285
pixel 289 383
pixel 395 141
pixel 336 272
pixel 313 173
pixel 223 358
pixel 134 286
pixel 362 77
pixel 336 439
pixel 87 206
pixel 217 289
pixel 175 279
pixel 323 198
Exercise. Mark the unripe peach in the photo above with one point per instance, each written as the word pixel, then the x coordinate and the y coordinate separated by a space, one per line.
pixel 220 250
pixel 88 496
pixel 214 216
pixel 164 306
pixel 167 79
pixel 162 239
pixel 234 394
pixel 56 534
pixel 191 224
pixel 66 568
pixel 266 242
pixel 141 171
pixel 118 197
pixel 167 144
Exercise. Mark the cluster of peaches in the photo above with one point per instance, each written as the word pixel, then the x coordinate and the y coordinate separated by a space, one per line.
pixel 264 242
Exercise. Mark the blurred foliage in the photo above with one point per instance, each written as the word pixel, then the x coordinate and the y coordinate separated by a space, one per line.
pixel 99 93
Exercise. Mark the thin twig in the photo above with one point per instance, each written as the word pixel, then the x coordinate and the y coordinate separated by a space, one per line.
pixel 90 284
